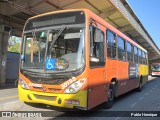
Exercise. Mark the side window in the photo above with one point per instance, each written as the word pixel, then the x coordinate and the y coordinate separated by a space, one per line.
pixel 146 59
pixel 135 54
pixel 111 44
pixel 121 48
pixel 97 57
pixel 140 56
pixel 129 52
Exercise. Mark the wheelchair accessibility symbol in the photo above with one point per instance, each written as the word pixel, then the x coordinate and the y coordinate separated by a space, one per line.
pixel 50 64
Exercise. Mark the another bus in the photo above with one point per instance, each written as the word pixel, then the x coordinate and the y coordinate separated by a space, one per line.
pixel 74 59
pixel 155 69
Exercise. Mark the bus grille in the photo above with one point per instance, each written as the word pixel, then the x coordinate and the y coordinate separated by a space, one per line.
pixel 50 98
pixel 46 79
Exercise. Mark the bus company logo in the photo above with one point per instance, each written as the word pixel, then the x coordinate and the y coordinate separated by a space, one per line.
pixel 6 114
pixel 44 88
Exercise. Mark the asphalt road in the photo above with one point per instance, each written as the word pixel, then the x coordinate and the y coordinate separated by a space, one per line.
pixel 146 100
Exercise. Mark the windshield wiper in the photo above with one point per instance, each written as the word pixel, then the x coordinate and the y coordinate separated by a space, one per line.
pixel 57 36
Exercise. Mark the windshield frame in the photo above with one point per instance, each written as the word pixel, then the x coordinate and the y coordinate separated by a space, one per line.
pixel 81 26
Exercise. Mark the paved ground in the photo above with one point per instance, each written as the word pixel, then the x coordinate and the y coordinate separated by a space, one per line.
pixel 8 95
pixel 147 100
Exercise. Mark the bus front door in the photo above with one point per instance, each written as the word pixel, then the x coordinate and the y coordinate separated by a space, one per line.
pixel 97 87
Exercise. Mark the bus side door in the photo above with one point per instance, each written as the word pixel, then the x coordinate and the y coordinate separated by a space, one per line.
pixel 97 88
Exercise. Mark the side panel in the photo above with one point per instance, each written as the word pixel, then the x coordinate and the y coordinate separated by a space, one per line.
pixel 123 77
pixel 97 83
pixel 97 89
pixel 144 73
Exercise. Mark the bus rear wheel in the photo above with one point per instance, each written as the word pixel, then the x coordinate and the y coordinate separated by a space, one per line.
pixel 110 100
pixel 139 89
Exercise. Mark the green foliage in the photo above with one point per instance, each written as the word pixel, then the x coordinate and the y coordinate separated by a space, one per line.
pixel 14 44
pixel 14 48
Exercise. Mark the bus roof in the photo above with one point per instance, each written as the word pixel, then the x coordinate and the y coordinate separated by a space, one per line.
pixel 100 20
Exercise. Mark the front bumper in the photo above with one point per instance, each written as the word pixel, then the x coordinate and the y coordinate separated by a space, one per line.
pixel 78 99
pixel 155 74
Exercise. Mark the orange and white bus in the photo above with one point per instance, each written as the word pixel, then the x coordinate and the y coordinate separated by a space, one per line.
pixel 75 59
pixel 155 69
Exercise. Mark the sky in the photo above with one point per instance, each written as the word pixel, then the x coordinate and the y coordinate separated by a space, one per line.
pixel 148 12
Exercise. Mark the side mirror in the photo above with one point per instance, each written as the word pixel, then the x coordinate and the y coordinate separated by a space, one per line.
pixel 97 35
pixel 94 59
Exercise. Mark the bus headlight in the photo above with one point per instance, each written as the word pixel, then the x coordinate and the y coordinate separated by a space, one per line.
pixel 76 86
pixel 23 84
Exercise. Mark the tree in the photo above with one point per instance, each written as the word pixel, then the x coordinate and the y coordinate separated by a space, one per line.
pixel 14 44
pixel 14 48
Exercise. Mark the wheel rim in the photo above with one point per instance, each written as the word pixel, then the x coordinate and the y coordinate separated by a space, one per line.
pixel 110 95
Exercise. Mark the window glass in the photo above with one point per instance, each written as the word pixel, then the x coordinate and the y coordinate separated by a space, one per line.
pixel 140 56
pixel 111 47
pixel 96 48
pixel 135 51
pixel 110 37
pixel 121 48
pixel 121 43
pixel 129 52
pixel 135 54
pixel 146 59
pixel 98 51
pixel 66 53
pixel 129 48
pixel 140 52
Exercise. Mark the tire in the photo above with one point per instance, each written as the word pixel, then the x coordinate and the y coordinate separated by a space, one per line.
pixel 139 89
pixel 110 101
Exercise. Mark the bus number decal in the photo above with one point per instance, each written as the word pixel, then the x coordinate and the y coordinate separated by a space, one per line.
pixel 35 85
pixel 68 82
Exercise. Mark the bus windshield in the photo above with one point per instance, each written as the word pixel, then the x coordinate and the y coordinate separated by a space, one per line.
pixel 155 67
pixel 54 43
pixel 53 50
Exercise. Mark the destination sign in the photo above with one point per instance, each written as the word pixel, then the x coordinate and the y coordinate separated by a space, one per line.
pixel 48 20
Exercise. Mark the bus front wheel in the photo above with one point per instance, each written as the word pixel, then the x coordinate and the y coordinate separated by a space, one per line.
pixel 110 100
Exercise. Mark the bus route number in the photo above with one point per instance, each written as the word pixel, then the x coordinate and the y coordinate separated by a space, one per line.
pixel 68 82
